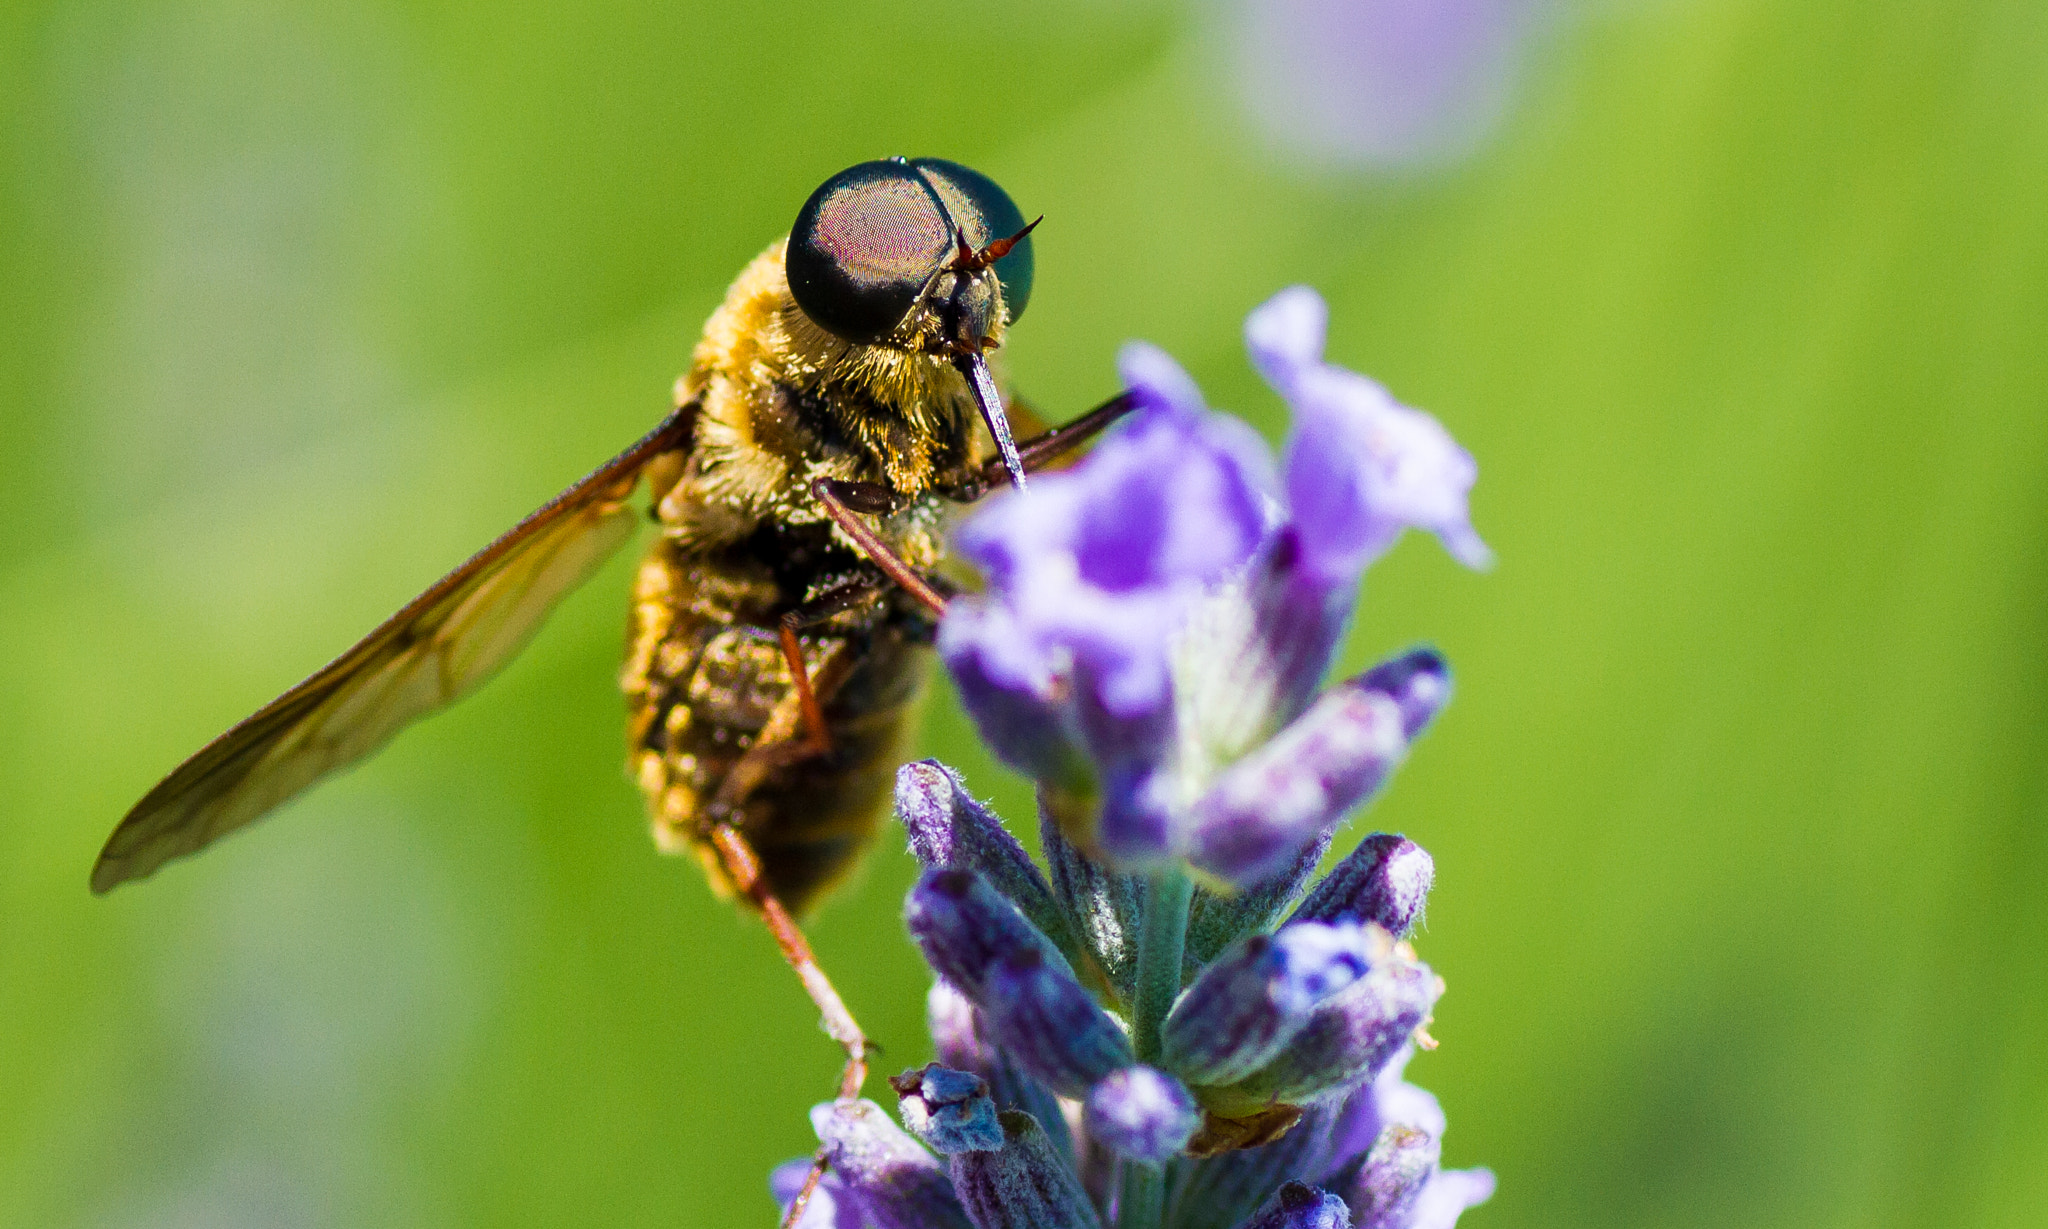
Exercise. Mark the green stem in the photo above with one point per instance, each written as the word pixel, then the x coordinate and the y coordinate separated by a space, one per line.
pixel 1141 1196
pixel 1160 945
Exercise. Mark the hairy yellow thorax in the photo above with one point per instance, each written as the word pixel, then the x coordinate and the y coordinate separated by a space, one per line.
pixel 784 402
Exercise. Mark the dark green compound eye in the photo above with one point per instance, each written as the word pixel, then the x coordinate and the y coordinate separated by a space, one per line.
pixel 873 236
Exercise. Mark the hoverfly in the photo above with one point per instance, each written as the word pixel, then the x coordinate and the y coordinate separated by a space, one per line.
pixel 780 625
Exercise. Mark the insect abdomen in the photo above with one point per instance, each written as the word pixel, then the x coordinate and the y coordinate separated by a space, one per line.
pixel 707 684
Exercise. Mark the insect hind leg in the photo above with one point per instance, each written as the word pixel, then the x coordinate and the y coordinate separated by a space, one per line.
pixel 743 866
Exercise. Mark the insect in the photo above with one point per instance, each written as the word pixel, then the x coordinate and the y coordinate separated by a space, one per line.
pixel 780 626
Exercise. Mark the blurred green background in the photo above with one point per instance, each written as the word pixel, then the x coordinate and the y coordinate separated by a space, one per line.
pixel 1738 816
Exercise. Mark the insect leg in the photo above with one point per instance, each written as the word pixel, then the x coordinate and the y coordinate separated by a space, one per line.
pixel 819 609
pixel 819 1163
pixel 843 502
pixel 1044 448
pixel 744 866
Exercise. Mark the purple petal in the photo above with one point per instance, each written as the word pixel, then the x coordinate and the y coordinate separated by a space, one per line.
pixel 1388 1100
pixel 1448 1194
pixel 1090 574
pixel 829 1208
pixel 1360 466
pixel 1009 688
pixel 1158 381
pixel 1138 826
pixel 1141 1113
pixel 1285 335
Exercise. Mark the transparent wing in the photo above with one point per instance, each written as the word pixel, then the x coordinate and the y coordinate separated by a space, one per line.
pixel 438 649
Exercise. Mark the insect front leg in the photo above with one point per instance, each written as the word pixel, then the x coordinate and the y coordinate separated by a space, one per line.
pixel 844 502
pixel 1043 449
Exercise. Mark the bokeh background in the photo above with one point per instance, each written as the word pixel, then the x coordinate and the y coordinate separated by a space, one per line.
pixel 1739 812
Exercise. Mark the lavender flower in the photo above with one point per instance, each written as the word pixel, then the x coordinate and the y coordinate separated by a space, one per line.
pixel 1378 82
pixel 1117 1047
pixel 1157 613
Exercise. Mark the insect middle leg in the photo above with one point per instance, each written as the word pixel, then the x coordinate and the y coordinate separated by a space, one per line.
pixel 834 601
pixel 788 737
pixel 743 864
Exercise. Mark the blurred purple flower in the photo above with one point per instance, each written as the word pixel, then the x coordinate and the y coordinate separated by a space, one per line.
pixel 1378 82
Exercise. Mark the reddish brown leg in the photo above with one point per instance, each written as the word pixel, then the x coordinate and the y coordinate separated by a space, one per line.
pixel 844 597
pixel 743 865
pixel 1042 450
pixel 818 739
pixel 843 502
pixel 819 1163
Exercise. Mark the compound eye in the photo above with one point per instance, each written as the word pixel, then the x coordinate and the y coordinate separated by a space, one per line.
pixel 864 246
pixel 987 214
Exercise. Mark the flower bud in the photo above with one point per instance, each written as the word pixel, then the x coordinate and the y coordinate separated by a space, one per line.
pixel 882 1172
pixel 1397 1169
pixel 1418 680
pixel 960 1034
pixel 1348 1038
pixel 949 1110
pixel 1142 1113
pixel 964 926
pixel 1296 1206
pixel 1025 1184
pixel 1257 995
pixel 1049 1025
pixel 1386 881
pixel 949 829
